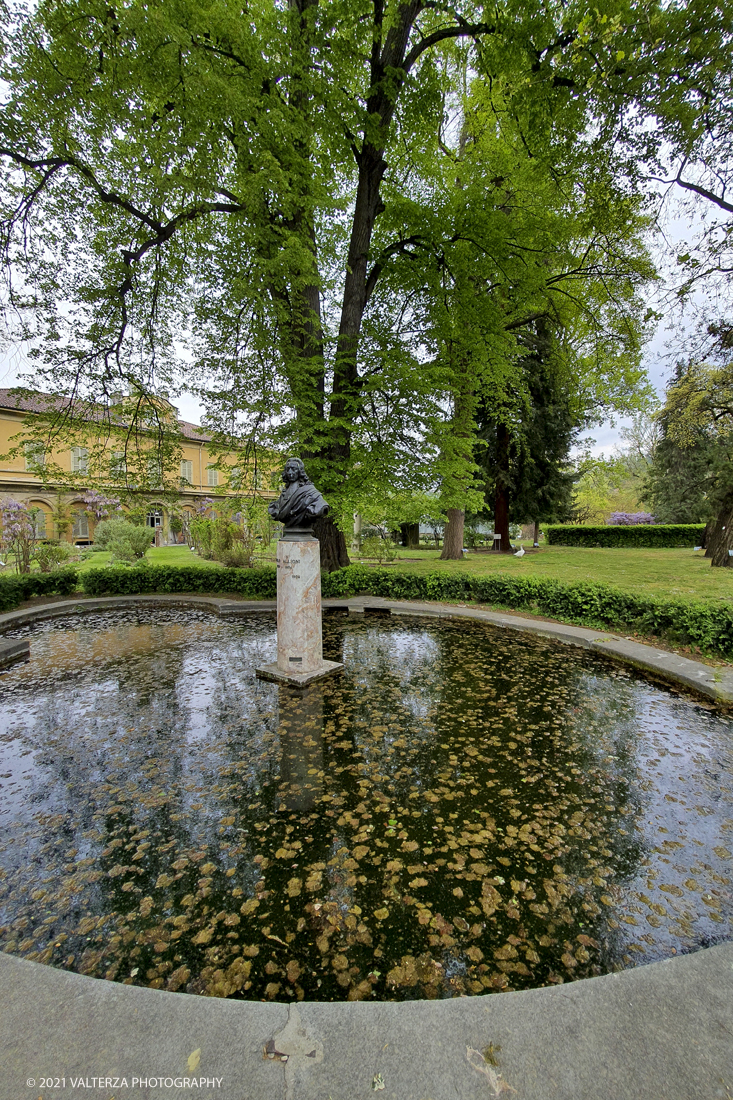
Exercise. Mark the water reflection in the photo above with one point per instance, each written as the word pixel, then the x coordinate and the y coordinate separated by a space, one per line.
pixel 301 747
pixel 458 812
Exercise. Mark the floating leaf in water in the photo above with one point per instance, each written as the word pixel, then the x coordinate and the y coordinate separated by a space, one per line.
pixel 293 971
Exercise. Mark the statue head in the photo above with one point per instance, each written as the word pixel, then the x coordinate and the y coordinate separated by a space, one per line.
pixel 295 471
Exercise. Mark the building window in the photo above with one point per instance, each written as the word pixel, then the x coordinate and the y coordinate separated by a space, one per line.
pixel 154 518
pixel 79 460
pixel 118 466
pixel 35 456
pixel 213 477
pixel 39 524
pixel 235 478
pixel 155 472
pixel 81 525
pixel 187 472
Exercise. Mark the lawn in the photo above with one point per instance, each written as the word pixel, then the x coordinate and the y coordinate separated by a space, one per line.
pixel 156 555
pixel 678 574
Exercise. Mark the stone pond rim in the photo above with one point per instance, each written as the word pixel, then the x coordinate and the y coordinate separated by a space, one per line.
pixel 693 676
pixel 662 1030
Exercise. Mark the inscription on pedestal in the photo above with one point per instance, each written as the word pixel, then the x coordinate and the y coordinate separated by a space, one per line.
pixel 299 635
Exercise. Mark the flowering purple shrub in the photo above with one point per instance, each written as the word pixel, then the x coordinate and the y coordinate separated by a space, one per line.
pixel 100 506
pixel 630 519
pixel 18 532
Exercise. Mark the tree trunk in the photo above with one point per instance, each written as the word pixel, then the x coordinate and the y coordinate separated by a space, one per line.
pixel 410 535
pixel 536 538
pixel 707 538
pixel 356 536
pixel 721 538
pixel 453 537
pixel 334 554
pixel 501 499
pixel 501 518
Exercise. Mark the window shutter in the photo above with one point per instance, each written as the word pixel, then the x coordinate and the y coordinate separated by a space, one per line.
pixel 39 524
pixel 118 466
pixel 187 471
pixel 213 476
pixel 79 460
pixel 35 456
pixel 81 525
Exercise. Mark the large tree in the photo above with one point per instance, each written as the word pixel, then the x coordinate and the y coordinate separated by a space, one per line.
pixel 698 418
pixel 525 452
pixel 240 183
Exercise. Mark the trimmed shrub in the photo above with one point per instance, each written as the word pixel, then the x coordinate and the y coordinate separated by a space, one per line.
pixel 25 586
pixel 119 581
pixel 49 555
pixel 125 541
pixel 668 535
pixel 707 625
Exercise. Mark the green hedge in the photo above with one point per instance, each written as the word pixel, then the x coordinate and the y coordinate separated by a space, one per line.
pixel 707 625
pixel 17 587
pixel 255 584
pixel 641 534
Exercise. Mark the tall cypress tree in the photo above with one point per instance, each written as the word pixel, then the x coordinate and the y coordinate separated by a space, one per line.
pixel 525 444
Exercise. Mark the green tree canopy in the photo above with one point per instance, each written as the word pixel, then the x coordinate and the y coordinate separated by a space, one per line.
pixel 694 463
pixel 263 189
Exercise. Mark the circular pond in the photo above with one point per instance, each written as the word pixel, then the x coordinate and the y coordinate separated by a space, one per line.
pixel 460 811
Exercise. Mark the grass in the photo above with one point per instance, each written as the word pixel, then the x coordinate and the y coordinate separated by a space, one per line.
pixel 674 574
pixel 157 555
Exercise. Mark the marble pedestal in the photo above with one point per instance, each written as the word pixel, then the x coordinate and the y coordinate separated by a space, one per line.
pixel 299 632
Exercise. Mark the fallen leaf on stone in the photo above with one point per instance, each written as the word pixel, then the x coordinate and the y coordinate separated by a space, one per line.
pixel 477 1061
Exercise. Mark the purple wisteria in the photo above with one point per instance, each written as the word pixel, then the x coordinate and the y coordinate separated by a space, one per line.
pixel 630 519
pixel 18 532
pixel 100 506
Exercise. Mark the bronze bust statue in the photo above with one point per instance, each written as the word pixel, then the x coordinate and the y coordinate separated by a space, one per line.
pixel 298 504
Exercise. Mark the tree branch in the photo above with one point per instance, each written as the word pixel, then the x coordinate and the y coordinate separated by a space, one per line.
pixel 462 30
pixel 702 192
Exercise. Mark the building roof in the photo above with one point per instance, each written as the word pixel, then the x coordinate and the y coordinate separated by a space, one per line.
pixel 25 401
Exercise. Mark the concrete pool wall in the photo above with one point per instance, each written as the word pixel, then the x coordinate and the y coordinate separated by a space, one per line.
pixel 663 1031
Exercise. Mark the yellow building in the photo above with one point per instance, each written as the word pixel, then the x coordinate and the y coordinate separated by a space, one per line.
pixel 36 478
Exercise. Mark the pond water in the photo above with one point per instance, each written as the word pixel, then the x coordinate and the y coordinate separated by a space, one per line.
pixel 460 811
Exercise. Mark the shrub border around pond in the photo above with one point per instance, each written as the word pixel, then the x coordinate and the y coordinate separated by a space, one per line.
pixel 16 588
pixel 692 622
pixel 684 622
